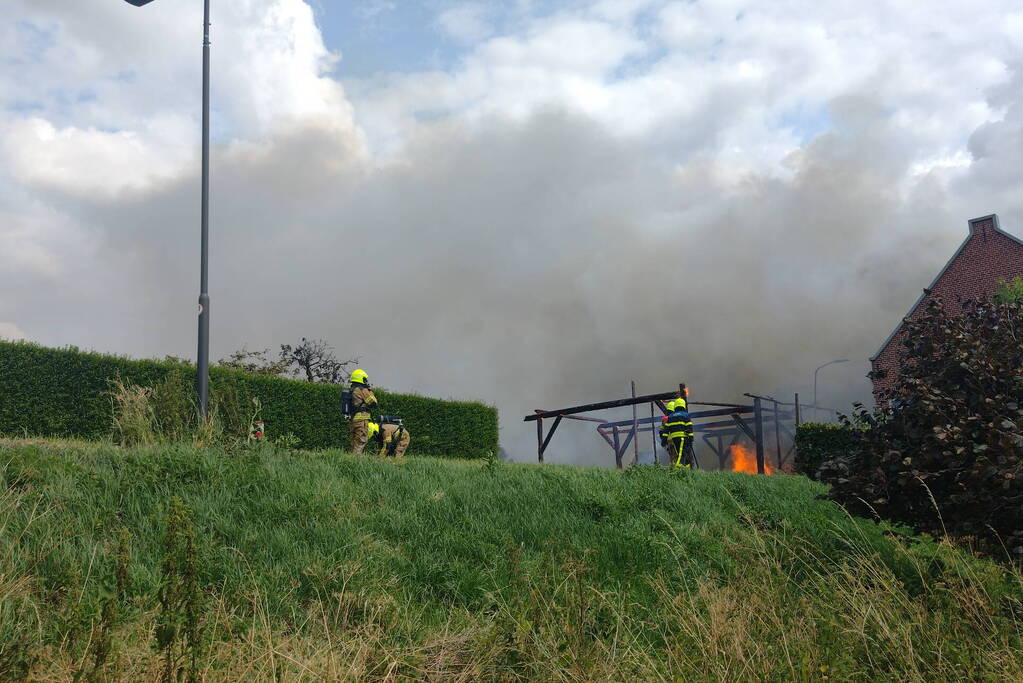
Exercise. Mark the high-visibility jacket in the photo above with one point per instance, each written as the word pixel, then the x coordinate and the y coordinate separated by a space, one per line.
pixel 678 424
pixel 363 401
pixel 677 432
pixel 393 439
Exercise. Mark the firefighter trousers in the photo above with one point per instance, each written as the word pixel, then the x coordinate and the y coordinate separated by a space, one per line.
pixel 358 435
pixel 683 445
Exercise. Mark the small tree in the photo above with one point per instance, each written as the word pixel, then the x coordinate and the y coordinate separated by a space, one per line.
pixel 255 362
pixel 944 453
pixel 315 361
pixel 1010 290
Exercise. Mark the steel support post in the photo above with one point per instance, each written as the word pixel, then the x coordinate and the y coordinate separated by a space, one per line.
pixel 758 430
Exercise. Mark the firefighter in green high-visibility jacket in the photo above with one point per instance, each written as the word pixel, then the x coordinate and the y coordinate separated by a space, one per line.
pixel 363 401
pixel 677 433
pixel 391 438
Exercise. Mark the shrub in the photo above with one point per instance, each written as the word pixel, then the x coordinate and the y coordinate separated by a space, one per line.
pixel 817 442
pixel 944 452
pixel 1010 290
pixel 65 393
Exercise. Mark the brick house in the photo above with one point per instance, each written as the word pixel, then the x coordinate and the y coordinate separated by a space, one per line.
pixel 987 255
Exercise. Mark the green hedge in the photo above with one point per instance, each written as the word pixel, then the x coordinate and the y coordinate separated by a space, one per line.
pixel 817 442
pixel 63 393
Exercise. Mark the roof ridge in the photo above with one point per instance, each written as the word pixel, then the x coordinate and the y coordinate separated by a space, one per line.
pixel 993 217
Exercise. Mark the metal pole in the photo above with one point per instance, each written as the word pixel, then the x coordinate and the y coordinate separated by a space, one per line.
pixel 797 410
pixel 815 393
pixel 635 428
pixel 830 362
pixel 777 434
pixel 758 430
pixel 653 434
pixel 203 362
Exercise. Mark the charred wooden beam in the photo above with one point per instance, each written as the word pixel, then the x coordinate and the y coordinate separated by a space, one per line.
pixel 583 418
pixel 741 424
pixel 645 425
pixel 618 450
pixel 604 435
pixel 604 405
pixel 698 415
pixel 653 437
pixel 635 426
pixel 621 403
pixel 758 429
pixel 539 440
pixel 777 434
pixel 546 441
pixel 625 446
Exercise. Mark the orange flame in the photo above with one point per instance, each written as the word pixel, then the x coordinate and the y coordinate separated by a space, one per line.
pixel 745 460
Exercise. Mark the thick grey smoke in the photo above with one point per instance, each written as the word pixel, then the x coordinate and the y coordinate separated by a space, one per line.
pixel 533 264
pixel 565 211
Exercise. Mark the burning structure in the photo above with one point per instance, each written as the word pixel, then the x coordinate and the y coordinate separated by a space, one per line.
pixel 987 255
pixel 764 422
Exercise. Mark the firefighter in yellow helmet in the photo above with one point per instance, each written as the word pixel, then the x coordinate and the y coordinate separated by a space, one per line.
pixel 392 437
pixel 677 433
pixel 363 401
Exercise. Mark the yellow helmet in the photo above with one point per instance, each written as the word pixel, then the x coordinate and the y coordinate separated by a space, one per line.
pixel 372 429
pixel 359 377
pixel 676 404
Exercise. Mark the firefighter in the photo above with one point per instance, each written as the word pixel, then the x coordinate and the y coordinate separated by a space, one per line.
pixel 392 438
pixel 363 401
pixel 677 433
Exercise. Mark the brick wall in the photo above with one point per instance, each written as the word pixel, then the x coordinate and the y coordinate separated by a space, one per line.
pixel 987 256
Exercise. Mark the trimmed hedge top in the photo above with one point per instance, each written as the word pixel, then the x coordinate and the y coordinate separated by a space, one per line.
pixel 63 393
pixel 817 442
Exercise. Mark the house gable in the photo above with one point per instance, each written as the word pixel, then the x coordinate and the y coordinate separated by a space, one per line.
pixel 986 255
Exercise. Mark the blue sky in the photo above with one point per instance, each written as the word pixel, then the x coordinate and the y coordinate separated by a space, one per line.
pixel 381 38
pixel 378 37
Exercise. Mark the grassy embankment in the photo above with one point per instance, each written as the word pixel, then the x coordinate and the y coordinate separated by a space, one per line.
pixel 328 566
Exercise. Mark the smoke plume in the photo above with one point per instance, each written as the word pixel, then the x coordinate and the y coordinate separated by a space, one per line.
pixel 532 259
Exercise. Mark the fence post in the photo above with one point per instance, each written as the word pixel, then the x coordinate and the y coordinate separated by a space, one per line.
pixel 758 431
pixel 539 440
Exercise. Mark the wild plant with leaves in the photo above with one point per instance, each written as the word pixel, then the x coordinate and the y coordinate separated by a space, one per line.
pixel 945 452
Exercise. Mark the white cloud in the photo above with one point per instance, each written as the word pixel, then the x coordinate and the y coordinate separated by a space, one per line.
pixel 87 161
pixel 466 22
pixel 269 65
pixel 10 331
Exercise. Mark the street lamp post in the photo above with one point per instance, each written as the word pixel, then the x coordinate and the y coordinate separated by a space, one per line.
pixel 202 365
pixel 830 362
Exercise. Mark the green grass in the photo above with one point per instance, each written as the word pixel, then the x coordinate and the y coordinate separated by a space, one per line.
pixel 326 565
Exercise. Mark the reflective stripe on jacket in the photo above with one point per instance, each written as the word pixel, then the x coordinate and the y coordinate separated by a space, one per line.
pixel 678 424
pixel 363 401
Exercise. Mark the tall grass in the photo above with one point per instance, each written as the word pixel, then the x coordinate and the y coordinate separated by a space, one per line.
pixel 332 567
pixel 134 420
pixel 167 414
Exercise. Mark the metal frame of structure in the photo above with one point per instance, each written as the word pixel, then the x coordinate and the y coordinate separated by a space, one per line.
pixel 619 435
